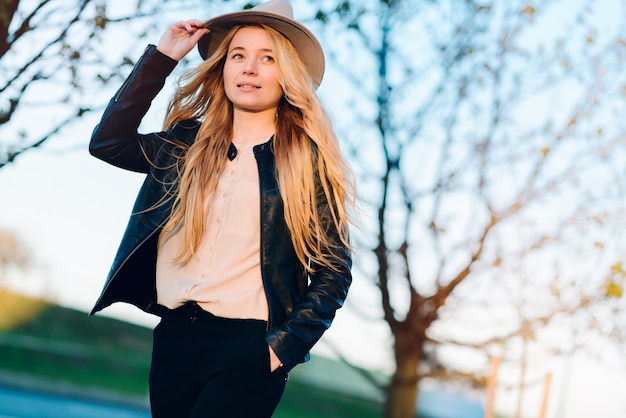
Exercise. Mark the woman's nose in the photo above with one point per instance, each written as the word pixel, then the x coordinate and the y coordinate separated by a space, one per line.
pixel 249 67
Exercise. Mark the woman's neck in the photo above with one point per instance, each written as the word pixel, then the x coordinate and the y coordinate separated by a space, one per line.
pixel 253 127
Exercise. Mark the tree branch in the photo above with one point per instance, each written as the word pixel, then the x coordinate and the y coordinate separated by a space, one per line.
pixel 10 154
pixel 40 54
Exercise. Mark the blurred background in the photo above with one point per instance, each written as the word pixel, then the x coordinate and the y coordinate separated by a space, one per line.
pixel 489 143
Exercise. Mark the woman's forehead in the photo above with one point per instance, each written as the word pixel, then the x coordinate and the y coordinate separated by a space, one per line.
pixel 250 35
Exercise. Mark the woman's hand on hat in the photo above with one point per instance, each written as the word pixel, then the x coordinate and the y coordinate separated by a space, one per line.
pixel 181 37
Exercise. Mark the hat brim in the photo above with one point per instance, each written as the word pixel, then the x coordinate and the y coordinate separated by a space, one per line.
pixel 303 40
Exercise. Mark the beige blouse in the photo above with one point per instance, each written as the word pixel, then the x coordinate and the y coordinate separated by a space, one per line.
pixel 225 276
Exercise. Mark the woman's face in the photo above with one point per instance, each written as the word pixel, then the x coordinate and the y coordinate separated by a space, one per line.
pixel 250 72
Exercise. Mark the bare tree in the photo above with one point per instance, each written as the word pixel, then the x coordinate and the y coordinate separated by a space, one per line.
pixel 54 61
pixel 488 142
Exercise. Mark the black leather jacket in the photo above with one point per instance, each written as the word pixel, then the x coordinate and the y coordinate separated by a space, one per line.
pixel 301 308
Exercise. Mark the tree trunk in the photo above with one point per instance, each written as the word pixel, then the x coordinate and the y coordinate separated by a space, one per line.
pixel 402 391
pixel 7 10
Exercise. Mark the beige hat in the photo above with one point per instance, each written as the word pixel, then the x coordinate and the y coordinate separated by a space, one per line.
pixel 278 15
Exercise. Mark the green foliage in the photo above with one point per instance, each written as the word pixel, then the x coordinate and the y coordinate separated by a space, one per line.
pixel 303 401
pixel 125 373
pixel 65 344
pixel 104 354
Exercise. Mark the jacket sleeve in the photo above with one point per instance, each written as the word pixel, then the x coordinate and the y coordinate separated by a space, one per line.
pixel 115 139
pixel 313 314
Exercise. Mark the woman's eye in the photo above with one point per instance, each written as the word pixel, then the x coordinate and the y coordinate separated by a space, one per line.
pixel 267 58
pixel 237 56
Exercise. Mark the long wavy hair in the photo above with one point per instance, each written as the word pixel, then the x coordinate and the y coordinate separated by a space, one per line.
pixel 309 164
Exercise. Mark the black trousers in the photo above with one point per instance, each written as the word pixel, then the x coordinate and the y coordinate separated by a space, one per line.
pixel 211 367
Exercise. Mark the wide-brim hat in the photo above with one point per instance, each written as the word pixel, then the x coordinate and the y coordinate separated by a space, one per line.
pixel 278 15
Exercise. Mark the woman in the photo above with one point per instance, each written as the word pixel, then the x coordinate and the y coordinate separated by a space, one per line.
pixel 239 235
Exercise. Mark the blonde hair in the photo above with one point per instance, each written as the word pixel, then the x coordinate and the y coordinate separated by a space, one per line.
pixel 311 170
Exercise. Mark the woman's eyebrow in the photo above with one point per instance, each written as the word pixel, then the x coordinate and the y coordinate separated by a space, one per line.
pixel 241 48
